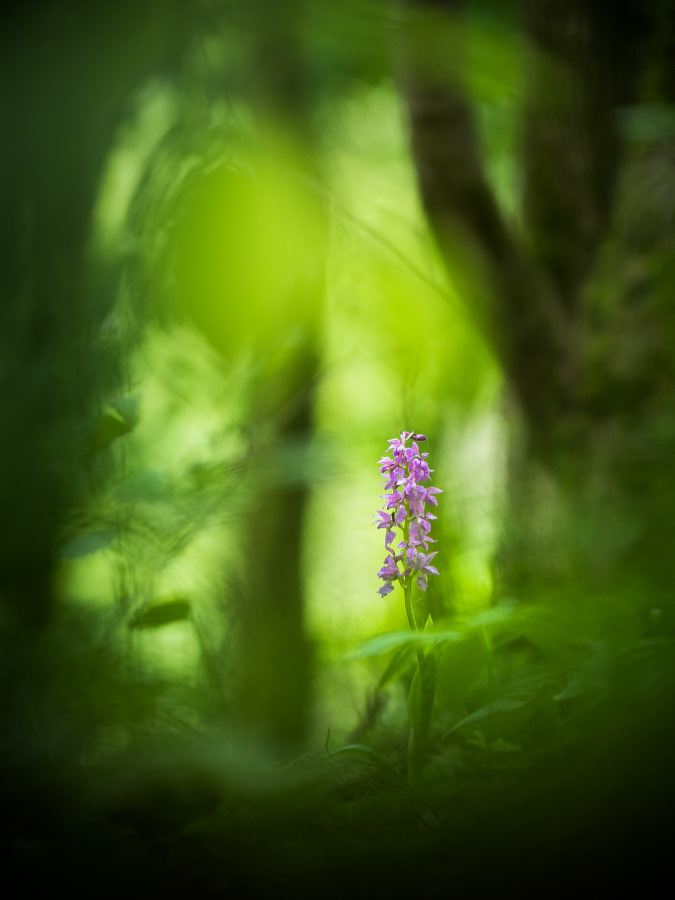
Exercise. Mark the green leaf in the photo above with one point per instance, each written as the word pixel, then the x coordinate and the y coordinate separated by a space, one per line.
pixel 397 664
pixel 593 675
pixel 420 707
pixel 505 715
pixel 161 614
pixel 110 426
pixel 119 419
pixel 386 642
pixel 356 751
pixel 505 614
pixel 362 753
pixel 86 544
pixel 420 605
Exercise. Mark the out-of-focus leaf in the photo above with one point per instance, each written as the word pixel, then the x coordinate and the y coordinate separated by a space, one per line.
pixel 356 751
pixel 118 419
pixel 110 426
pixel 128 407
pixel 364 754
pixel 161 614
pixel 386 642
pixel 396 665
pixel 507 615
pixel 505 715
pixel 420 707
pixel 86 544
pixel 594 674
pixel 422 693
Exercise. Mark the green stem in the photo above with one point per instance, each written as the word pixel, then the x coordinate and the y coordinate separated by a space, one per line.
pixel 406 583
pixel 489 727
pixel 407 593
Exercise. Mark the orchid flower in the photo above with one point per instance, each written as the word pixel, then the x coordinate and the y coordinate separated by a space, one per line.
pixel 404 471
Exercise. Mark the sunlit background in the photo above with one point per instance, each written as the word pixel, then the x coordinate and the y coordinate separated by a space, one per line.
pixel 231 234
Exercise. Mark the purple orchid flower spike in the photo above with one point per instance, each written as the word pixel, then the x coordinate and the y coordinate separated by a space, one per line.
pixel 404 471
pixel 406 476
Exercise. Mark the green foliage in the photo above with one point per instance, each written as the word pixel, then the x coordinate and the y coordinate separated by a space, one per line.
pixel 222 297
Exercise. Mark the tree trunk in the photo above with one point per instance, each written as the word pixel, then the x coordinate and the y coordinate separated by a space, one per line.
pixel 68 72
pixel 572 300
pixel 577 302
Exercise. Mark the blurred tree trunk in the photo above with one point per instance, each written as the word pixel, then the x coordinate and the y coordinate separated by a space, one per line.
pixel 68 72
pixel 273 670
pixel 276 652
pixel 575 299
pixel 58 129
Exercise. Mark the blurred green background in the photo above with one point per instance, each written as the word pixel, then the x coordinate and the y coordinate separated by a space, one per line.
pixel 243 245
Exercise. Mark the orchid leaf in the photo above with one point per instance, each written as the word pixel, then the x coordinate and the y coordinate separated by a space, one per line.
pixel 420 707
